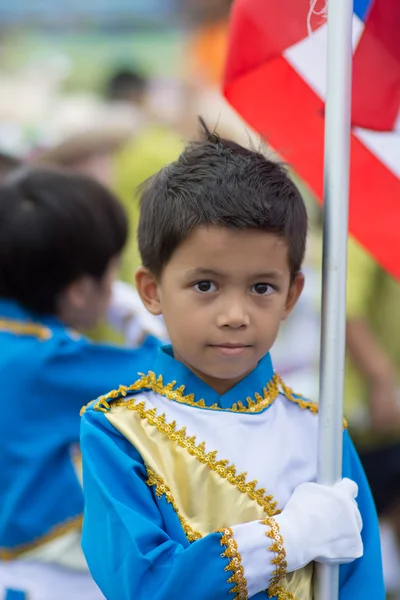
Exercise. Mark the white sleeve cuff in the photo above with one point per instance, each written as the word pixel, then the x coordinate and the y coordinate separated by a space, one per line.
pixel 263 563
pixel 293 548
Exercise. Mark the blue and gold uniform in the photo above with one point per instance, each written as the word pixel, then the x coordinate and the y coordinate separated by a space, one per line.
pixel 46 373
pixel 184 487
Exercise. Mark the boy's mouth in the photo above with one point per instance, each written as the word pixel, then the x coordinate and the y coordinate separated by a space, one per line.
pixel 230 349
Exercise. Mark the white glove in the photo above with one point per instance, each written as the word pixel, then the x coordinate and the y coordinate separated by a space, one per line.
pixel 322 524
pixel 127 315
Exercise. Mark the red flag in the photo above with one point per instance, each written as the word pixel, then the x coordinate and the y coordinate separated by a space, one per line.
pixel 275 79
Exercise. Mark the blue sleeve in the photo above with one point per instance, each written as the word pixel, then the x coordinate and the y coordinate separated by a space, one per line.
pixel 76 371
pixel 127 542
pixel 362 578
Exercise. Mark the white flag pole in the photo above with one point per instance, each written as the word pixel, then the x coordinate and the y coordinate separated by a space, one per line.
pixel 336 193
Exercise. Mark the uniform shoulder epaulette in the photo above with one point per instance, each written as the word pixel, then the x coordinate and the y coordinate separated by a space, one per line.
pixel 28 328
pixel 103 403
pixel 302 402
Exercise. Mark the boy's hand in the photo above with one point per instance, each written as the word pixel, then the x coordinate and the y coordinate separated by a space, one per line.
pixel 321 523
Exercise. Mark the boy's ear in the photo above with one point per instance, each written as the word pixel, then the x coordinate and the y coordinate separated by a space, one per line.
pixel 147 287
pixel 76 293
pixel 295 289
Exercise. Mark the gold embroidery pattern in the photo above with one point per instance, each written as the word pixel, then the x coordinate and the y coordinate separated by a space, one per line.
pixel 198 451
pixel 170 391
pixel 281 594
pixel 161 489
pixel 235 564
pixel 56 532
pixel 102 405
pixel 279 560
pixel 302 402
pixel 232 552
pixel 156 384
pixel 30 329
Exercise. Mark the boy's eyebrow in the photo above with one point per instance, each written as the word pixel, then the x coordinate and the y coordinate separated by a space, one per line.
pixel 267 275
pixel 204 272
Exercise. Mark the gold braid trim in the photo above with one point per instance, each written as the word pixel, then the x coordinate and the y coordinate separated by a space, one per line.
pixel 267 502
pixel 279 560
pixel 170 391
pixel 161 489
pixel 56 532
pixel 235 564
pixel 281 594
pixel 302 402
pixel 102 405
pixel 40 332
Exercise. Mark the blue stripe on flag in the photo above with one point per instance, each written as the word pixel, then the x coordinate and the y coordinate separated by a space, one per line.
pixel 361 8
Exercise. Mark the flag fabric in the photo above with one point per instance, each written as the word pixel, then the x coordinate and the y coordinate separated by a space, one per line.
pixel 275 78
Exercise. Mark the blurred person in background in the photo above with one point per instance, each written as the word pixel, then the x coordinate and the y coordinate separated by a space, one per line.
pixel 83 134
pixel 154 145
pixel 208 39
pixel 372 392
pixel 90 152
pixel 88 144
pixel 61 237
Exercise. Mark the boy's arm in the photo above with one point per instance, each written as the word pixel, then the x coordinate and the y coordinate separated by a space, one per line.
pixel 362 578
pixel 125 536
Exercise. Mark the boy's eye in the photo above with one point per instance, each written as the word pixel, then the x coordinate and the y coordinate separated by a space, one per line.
pixel 205 286
pixel 262 289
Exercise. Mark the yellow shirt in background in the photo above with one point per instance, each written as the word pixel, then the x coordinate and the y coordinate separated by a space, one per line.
pixel 151 149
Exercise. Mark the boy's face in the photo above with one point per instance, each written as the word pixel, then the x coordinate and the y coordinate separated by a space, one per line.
pixel 223 295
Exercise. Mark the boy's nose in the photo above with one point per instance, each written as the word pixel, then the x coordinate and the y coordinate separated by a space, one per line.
pixel 234 315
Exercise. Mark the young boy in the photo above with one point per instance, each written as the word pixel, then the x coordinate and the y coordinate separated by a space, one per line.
pixel 199 478
pixel 61 236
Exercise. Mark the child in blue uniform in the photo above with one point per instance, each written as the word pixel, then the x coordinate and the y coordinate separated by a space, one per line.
pixel 60 240
pixel 200 477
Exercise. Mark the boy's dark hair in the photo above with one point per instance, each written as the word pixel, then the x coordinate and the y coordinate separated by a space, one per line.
pixel 54 228
pixel 125 85
pixel 218 182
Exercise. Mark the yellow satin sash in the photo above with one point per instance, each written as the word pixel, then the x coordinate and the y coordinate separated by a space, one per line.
pixel 205 492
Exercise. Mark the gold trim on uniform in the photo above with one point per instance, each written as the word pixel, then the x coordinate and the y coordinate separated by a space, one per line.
pixel 161 489
pixel 56 532
pixel 235 564
pixel 302 402
pixel 156 384
pixel 36 330
pixel 266 501
pixel 279 560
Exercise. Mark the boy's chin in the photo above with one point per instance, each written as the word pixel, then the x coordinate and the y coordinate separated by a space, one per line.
pixel 230 374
